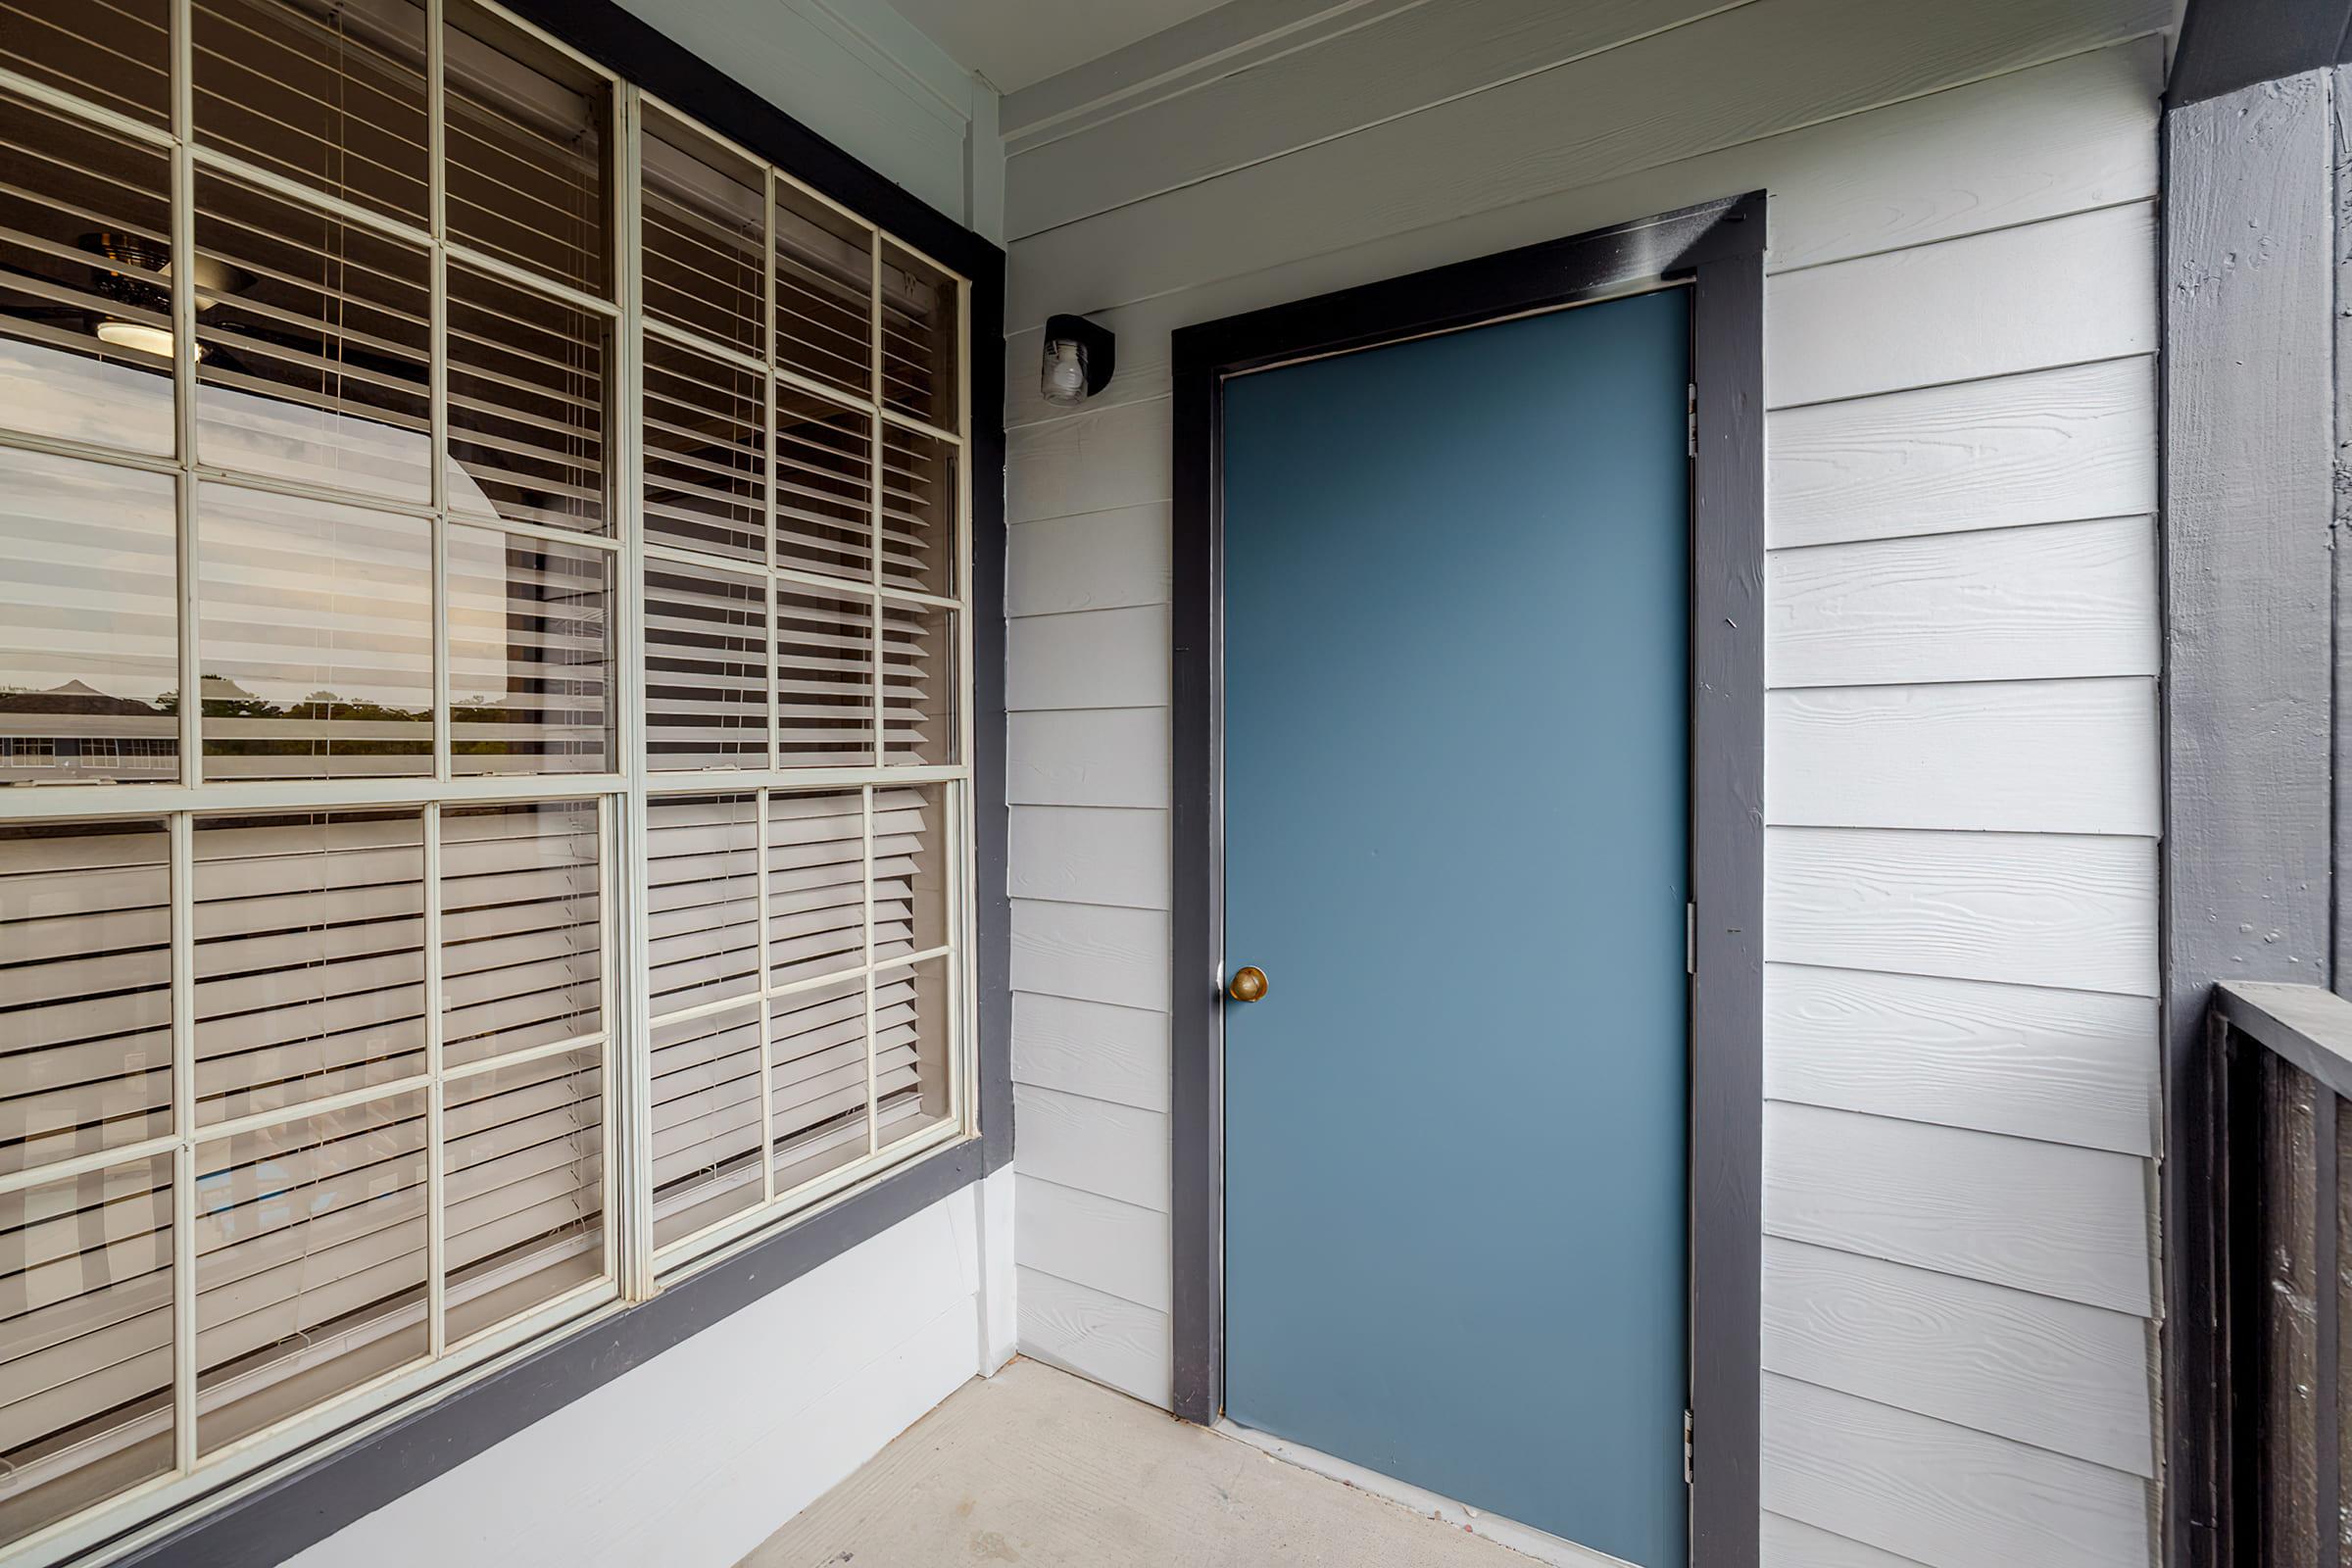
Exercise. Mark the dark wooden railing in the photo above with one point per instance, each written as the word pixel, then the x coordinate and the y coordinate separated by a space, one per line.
pixel 2283 1246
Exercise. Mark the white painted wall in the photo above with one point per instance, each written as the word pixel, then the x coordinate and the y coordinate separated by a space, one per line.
pixel 694 1458
pixel 1962 645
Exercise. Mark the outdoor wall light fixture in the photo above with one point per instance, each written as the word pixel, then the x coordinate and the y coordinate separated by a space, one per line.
pixel 1078 359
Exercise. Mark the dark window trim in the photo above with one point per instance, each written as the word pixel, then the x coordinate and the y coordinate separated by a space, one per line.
pixel 1717 250
pixel 307 1504
pixel 2229 44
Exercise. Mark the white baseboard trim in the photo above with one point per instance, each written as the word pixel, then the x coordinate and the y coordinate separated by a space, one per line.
pixel 1526 1540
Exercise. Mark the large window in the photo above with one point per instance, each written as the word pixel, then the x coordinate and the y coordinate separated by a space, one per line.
pixel 483 720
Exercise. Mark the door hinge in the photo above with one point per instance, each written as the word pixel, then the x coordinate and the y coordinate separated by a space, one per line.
pixel 1690 939
pixel 1691 413
pixel 1685 1447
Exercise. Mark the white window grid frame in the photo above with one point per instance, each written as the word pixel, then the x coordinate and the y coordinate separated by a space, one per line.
pixel 634 1270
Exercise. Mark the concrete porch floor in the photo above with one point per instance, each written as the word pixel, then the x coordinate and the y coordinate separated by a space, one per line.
pixel 1039 1468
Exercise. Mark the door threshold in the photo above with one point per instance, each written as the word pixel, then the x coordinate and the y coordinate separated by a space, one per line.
pixel 1525 1540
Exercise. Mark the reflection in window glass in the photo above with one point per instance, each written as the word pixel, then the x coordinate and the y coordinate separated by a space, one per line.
pixel 316 638
pixel 525 147
pixel 526 404
pixel 706 453
pixel 705 669
pixel 529 655
pixel 85 299
pixel 90 615
pixel 920 332
pixel 703 230
pixel 824 292
pixel 126 66
pixel 825 497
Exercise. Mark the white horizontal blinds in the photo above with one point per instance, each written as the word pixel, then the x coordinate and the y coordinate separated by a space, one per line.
pixel 85 1339
pixel 524 149
pixel 314 339
pixel 316 638
pixel 914 870
pixel 704 226
pixel 524 1166
pixel 521 929
pixel 706 452
pixel 310 958
pixel 824 678
pixel 89 658
pixel 920 493
pixel 85 990
pixel 331 95
pixel 919 683
pixel 920 332
pixel 824 291
pixel 818 1080
pixel 912 1063
pixel 702 909
pixel 526 404
pixel 310 1261
pixel 824 485
pixel 815 886
pixel 114 53
pixel 530 654
pixel 705 668
pixel 85 227
pixel 705 1122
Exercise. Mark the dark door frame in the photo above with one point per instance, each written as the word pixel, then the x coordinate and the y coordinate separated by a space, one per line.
pixel 1717 251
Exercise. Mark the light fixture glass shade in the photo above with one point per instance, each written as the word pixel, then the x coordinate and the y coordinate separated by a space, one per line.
pixel 1063 378
pixel 137 336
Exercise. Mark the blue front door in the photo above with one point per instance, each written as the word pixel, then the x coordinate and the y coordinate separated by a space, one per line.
pixel 1456 793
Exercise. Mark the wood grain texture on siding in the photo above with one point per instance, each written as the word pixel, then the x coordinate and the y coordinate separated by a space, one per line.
pixel 2040 756
pixel 2039 908
pixel 1098 1241
pixel 2065 291
pixel 2056 1374
pixel 1098 757
pixel 2012 604
pixel 1098 1335
pixel 1091 1049
pixel 1091 854
pixel 1095 460
pixel 2067 1066
pixel 2066 1222
pixel 2016 148
pixel 2047 446
pixel 1392 64
pixel 1789 1543
pixel 1940 1494
pixel 1093 1146
pixel 1598 118
pixel 1091 953
pixel 1101 560
pixel 1093 658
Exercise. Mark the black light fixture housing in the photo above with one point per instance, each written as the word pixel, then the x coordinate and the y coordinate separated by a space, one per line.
pixel 1079 356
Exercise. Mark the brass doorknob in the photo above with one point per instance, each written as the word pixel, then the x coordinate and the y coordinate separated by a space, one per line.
pixel 1249 984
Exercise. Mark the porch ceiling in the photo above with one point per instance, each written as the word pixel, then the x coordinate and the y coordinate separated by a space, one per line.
pixel 1016 42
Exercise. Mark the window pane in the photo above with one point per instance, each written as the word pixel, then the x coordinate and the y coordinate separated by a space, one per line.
pixel 919 683
pixel 85 989
pixel 85 241
pixel 525 147
pixel 824 678
pixel 704 231
pixel 919 334
pixel 316 638
pixel 310 1262
pixel 816 885
pixel 910 1048
pixel 706 453
pixel 918 512
pixel 703 921
pixel 310 958
pixel 531 656
pixel 524 1159
pixel 122 63
pixel 85 1341
pixel 89 617
pixel 824 496
pixel 824 292
pixel 912 851
pixel 332 97
pixel 315 337
pixel 818 1080
pixel 705 669
pixel 522 942
pixel 706 1121
pixel 526 404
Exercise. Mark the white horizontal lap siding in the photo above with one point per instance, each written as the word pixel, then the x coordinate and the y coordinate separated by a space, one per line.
pixel 1962 641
